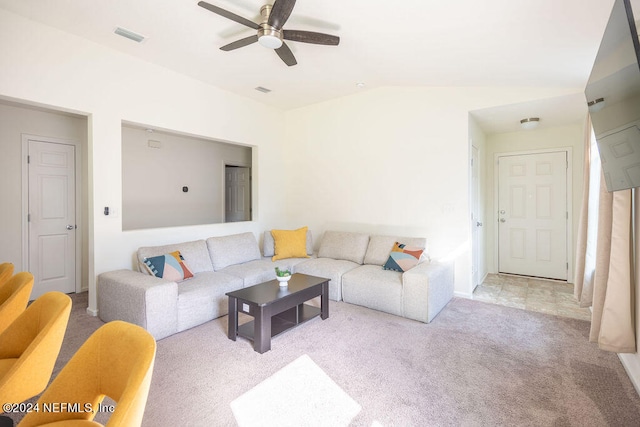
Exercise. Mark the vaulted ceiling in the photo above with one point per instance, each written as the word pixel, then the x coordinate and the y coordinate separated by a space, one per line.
pixel 523 43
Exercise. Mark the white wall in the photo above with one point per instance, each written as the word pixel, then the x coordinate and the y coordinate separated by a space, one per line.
pixel 543 138
pixel 48 67
pixel 391 161
pixel 153 178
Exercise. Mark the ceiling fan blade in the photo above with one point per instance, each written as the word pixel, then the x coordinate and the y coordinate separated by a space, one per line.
pixel 280 13
pixel 240 43
pixel 286 55
pixel 310 37
pixel 229 15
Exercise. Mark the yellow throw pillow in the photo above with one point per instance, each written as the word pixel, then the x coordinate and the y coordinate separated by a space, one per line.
pixel 290 243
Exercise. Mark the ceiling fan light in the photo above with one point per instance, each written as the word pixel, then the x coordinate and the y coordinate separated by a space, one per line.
pixel 530 123
pixel 272 42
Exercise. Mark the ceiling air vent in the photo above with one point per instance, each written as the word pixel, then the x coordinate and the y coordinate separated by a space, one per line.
pixel 263 89
pixel 129 34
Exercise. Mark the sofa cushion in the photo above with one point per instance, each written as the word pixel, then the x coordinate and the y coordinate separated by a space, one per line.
pixel 268 244
pixel 169 266
pixel 403 257
pixel 344 245
pixel 252 272
pixel 380 247
pixel 290 243
pixel 195 254
pixel 372 287
pixel 287 264
pixel 233 249
pixel 203 298
pixel 332 269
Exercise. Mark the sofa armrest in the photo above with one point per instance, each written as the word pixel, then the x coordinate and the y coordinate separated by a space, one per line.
pixel 427 288
pixel 140 299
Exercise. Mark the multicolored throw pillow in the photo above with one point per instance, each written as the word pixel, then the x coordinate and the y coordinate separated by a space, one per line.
pixel 169 266
pixel 403 257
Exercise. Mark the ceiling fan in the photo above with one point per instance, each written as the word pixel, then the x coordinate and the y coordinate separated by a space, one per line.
pixel 270 32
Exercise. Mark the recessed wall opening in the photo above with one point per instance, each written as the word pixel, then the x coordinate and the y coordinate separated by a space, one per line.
pixel 170 179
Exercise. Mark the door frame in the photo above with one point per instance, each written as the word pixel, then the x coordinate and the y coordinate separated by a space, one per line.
pixel 475 192
pixel 78 198
pixel 496 199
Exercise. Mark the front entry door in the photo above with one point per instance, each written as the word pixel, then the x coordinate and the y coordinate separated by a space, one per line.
pixel 52 222
pixel 532 215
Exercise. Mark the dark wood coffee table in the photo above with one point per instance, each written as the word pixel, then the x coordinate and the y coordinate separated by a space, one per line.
pixel 276 308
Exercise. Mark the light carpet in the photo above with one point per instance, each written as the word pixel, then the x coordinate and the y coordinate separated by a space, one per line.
pixel 475 364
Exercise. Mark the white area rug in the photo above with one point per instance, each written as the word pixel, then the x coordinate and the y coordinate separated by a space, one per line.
pixel 300 394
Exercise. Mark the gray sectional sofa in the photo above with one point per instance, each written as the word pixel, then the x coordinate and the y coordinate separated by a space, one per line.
pixel 353 262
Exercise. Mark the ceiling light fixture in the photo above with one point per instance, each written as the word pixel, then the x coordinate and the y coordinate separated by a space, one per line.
pixel 129 34
pixel 263 89
pixel 270 38
pixel 530 123
pixel 596 105
pixel 360 85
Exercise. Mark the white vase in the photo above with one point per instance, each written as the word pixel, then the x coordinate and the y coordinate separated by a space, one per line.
pixel 283 280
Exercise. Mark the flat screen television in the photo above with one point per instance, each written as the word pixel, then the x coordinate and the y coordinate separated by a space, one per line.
pixel 613 97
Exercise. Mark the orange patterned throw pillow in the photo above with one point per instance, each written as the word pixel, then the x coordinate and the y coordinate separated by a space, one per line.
pixel 169 266
pixel 403 257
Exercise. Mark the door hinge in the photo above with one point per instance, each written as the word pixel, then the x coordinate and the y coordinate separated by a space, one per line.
pixel 567 266
pixel 28 217
pixel 28 159
pixel 567 216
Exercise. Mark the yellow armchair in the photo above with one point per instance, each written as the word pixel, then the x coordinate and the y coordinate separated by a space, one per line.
pixel 116 361
pixel 30 346
pixel 14 297
pixel 6 271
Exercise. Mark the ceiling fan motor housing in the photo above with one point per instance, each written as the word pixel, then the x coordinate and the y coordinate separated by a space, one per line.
pixel 268 36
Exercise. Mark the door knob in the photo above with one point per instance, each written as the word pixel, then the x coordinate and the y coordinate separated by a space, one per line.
pixel 478 224
pixel 70 227
pixel 503 220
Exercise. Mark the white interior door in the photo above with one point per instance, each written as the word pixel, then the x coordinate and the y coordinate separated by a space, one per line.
pixel 533 215
pixel 52 222
pixel 237 194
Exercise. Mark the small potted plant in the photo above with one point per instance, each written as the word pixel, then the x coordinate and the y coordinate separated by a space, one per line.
pixel 283 275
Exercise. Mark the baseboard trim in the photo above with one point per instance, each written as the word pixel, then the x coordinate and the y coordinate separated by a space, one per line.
pixel 483 278
pixel 463 295
pixel 92 312
pixel 631 364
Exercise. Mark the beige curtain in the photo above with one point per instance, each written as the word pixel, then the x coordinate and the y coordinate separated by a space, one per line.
pixel 608 286
pixel 582 289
